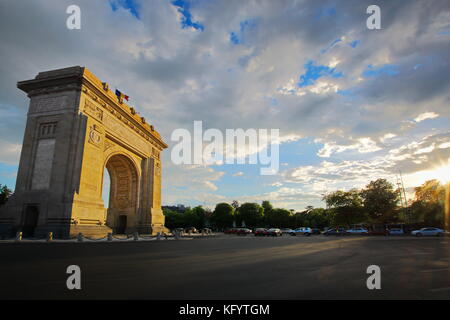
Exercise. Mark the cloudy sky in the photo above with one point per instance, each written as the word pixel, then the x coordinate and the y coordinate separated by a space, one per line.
pixel 351 104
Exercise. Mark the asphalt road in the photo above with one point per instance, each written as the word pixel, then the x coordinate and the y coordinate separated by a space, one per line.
pixel 230 267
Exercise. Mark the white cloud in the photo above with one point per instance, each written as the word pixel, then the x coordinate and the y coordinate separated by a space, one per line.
pixel 426 115
pixel 10 152
pixel 363 145
pixel 387 136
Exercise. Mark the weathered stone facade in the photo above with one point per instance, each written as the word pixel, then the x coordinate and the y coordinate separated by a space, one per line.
pixel 76 127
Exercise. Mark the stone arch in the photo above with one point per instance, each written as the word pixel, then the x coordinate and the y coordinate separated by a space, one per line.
pixel 124 190
pixel 76 126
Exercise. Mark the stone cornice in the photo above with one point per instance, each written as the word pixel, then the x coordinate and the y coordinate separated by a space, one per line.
pixel 81 79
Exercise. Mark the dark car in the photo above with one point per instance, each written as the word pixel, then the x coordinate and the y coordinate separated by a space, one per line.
pixel 260 232
pixel 274 232
pixel 336 232
pixel 231 231
pixel 315 231
pixel 378 230
pixel 243 231
pixel 190 230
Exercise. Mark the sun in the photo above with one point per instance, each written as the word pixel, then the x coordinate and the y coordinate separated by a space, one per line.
pixel 442 173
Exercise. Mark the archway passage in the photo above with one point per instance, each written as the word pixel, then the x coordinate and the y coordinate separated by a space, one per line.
pixel 30 221
pixel 121 224
pixel 123 193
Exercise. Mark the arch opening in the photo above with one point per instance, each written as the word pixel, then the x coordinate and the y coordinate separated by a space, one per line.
pixel 121 178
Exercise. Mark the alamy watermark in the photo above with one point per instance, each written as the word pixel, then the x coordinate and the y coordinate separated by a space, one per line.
pixel 74 19
pixel 373 22
pixel 374 280
pixel 74 280
pixel 239 146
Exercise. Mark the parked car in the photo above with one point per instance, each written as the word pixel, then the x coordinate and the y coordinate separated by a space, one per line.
pixel 260 232
pixel 315 231
pixel 336 232
pixel 430 231
pixel 358 230
pixel 180 231
pixel 395 231
pixel 231 231
pixel 243 231
pixel 274 232
pixel 306 231
pixel 287 230
pixel 190 230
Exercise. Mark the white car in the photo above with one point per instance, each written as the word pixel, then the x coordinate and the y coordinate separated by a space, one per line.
pixel 358 230
pixel 306 231
pixel 287 230
pixel 430 231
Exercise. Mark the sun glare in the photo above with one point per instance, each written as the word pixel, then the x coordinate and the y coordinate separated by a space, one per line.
pixel 440 173
pixel 443 174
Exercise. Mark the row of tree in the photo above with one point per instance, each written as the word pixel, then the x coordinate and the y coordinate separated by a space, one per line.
pixel 377 203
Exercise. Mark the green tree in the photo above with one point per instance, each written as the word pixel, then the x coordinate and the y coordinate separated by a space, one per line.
pixel 429 204
pixel 199 217
pixel 319 218
pixel 267 206
pixel 252 214
pixel 223 215
pixel 380 200
pixel 346 207
pixel 430 191
pixel 279 218
pixel 173 219
pixel 235 205
pixel 5 193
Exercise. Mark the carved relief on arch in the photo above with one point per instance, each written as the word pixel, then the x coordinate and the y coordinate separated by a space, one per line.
pixel 96 135
pixel 93 110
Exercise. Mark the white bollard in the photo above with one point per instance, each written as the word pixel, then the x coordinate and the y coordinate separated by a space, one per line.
pixel 80 237
pixel 110 237
pixel 19 236
pixel 135 236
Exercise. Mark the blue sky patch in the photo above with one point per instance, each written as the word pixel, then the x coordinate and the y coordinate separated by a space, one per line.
pixel 186 20
pixel 389 69
pixel 325 12
pixel 8 173
pixel 234 38
pixel 314 72
pixel 130 5
pixel 237 37
pixel 354 44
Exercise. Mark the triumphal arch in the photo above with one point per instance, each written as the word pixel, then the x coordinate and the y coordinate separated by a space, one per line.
pixel 76 127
